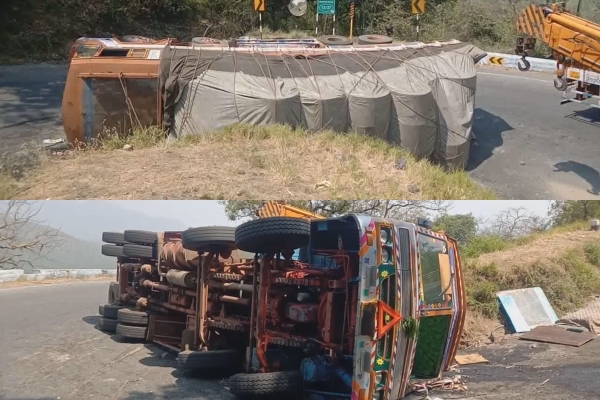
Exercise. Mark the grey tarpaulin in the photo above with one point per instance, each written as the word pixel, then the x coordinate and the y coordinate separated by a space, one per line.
pixel 421 99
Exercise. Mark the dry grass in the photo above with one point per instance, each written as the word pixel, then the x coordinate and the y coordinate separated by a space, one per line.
pixel 241 162
pixel 542 248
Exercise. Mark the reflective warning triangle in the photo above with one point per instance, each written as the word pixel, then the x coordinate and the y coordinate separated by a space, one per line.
pixel 385 324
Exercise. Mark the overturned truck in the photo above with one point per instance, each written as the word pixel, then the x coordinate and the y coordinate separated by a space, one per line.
pixel 331 308
pixel 419 96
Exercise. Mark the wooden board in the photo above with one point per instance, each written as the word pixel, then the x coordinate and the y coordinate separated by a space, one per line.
pixel 558 335
pixel 466 359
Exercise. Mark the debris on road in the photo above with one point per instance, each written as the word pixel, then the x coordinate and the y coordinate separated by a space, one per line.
pixel 558 335
pixel 466 359
pixel 526 309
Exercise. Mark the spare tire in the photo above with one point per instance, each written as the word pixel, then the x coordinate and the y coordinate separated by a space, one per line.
pixel 132 317
pixel 273 234
pixel 141 237
pixel 335 40
pixel 374 39
pixel 217 239
pixel 113 237
pixel 136 38
pixel 139 251
pixel 112 250
pixel 209 360
pixel 205 40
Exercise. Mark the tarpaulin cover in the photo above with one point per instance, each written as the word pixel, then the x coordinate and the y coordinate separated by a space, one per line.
pixel 420 99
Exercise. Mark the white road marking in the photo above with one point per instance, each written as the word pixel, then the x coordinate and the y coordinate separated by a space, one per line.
pixel 514 76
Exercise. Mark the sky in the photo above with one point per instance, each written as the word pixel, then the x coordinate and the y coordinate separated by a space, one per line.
pixel 86 220
pixel 208 212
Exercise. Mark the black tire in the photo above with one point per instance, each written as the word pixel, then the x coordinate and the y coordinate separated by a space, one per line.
pixel 107 324
pixel 209 238
pixel 132 332
pixel 270 235
pixel 523 65
pixel 560 84
pixel 335 40
pixel 126 316
pixel 286 382
pixel 113 237
pixel 141 237
pixel 109 310
pixel 112 250
pixel 374 39
pixel 139 251
pixel 209 360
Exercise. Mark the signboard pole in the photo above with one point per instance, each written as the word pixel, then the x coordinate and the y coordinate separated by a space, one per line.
pixel 260 6
pixel 317 25
pixel 333 33
pixel 351 20
pixel 418 8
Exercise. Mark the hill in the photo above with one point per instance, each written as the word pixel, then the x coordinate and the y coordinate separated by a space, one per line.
pixel 86 220
pixel 69 253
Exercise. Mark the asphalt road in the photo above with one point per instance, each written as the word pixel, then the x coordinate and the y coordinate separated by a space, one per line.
pixel 50 349
pixel 528 146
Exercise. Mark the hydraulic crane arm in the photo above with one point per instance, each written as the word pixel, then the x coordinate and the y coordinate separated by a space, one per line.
pixel 574 41
pixel 279 209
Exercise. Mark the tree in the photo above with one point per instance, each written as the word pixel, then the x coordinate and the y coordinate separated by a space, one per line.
pixel 516 222
pixel 462 227
pixel 23 239
pixel 398 209
pixel 567 212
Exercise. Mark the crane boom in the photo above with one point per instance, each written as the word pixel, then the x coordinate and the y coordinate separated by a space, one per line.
pixel 575 44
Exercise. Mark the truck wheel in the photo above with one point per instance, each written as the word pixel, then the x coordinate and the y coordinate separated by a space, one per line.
pixel 139 251
pixel 270 235
pixel 113 237
pixel 132 332
pixel 209 238
pixel 107 324
pixel 109 310
pixel 207 360
pixel 132 317
pixel 374 39
pixel 140 237
pixel 112 250
pixel 286 382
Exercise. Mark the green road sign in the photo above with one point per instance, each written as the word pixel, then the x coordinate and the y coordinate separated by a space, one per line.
pixel 326 7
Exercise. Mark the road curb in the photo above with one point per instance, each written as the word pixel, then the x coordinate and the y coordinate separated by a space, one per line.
pixel 13 275
pixel 510 61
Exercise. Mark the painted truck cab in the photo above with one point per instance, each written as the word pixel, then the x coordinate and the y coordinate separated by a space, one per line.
pixel 410 301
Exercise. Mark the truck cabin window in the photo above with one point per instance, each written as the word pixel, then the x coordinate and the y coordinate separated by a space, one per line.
pixel 429 249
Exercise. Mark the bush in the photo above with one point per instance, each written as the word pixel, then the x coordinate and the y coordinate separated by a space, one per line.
pixel 484 244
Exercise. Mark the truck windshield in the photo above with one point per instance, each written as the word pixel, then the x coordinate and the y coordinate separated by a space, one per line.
pixel 429 249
